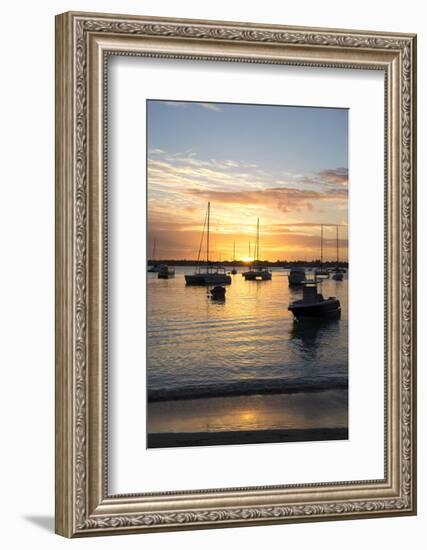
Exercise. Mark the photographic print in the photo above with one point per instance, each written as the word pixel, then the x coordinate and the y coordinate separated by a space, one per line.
pixel 247 273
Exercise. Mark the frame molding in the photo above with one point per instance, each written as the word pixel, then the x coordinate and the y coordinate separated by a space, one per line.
pixel 83 43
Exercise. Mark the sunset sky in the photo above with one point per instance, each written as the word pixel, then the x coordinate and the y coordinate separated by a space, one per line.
pixel 286 165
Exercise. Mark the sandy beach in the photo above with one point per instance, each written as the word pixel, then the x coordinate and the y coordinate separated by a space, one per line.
pixel 311 416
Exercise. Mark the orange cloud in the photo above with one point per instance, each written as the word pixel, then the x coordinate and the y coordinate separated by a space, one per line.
pixel 283 198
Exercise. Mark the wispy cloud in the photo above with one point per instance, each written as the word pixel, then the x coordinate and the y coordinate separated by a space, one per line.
pixel 329 179
pixel 291 206
pixel 282 198
pixel 211 107
pixel 175 103
pixel 184 104
pixel 336 176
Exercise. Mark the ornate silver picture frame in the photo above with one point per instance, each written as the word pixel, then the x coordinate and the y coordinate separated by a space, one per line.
pixel 84 42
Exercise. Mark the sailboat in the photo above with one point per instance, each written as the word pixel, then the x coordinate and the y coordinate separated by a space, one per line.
pixel 155 268
pixel 321 272
pixel 249 258
pixel 256 273
pixel 337 274
pixel 208 274
pixel 234 270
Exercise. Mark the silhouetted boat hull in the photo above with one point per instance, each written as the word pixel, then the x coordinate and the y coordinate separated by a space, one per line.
pixel 314 306
pixel 257 275
pixel 330 309
pixel 206 278
pixel 166 272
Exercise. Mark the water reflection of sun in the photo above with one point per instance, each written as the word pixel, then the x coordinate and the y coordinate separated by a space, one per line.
pixel 248 416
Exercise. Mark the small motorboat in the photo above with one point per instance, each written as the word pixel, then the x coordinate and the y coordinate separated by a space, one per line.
pixel 234 271
pixel 314 306
pixel 217 293
pixel 297 276
pixel 154 268
pixel 337 276
pixel 166 272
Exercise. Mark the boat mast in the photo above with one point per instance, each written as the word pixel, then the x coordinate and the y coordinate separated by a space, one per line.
pixel 207 239
pixel 257 240
pixel 154 250
pixel 337 248
pixel 249 251
pixel 321 246
pixel 234 251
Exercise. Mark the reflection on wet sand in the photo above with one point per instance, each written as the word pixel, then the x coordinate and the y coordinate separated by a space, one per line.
pixel 251 413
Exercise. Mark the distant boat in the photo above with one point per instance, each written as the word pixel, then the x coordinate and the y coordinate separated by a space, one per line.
pixel 208 274
pixel 297 276
pixel 155 267
pixel 314 306
pixel 321 272
pixel 337 274
pixel 165 272
pixel 257 273
pixel 234 270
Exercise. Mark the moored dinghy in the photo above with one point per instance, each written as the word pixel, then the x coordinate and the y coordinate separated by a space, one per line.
pixel 337 276
pixel 165 272
pixel 217 293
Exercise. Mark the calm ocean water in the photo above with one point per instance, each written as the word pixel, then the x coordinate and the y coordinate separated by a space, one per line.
pixel 248 344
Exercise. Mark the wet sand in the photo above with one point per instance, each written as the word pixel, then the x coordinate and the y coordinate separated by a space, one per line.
pixel 197 439
pixel 312 416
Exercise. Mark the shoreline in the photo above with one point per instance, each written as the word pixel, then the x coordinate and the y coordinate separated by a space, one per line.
pixel 247 388
pixel 273 417
pixel 198 439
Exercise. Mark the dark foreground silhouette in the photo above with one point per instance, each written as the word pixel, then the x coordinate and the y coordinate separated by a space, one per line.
pixel 195 439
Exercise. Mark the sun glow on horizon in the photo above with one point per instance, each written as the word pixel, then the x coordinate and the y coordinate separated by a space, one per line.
pixel 247 175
